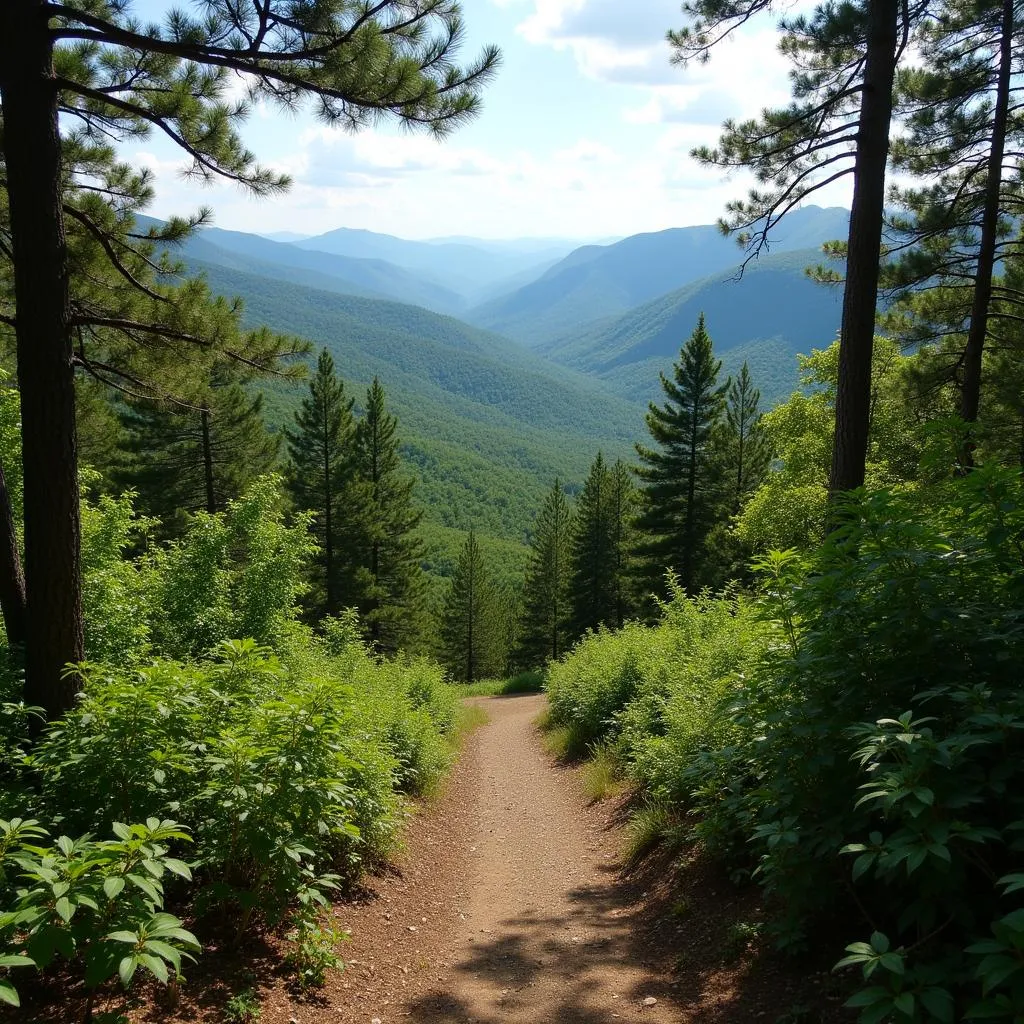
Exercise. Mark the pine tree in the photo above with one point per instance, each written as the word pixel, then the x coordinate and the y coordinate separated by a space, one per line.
pixel 745 451
pixel 471 630
pixel 544 621
pixel 392 588
pixel 964 131
pixel 183 459
pixel 845 58
pixel 323 478
pixel 114 76
pixel 622 508
pixel 591 561
pixel 681 479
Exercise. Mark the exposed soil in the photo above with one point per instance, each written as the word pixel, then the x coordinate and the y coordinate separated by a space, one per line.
pixel 510 904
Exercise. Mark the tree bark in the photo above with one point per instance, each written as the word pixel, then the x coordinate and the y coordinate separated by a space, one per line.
pixel 857 335
pixel 32 152
pixel 970 395
pixel 12 580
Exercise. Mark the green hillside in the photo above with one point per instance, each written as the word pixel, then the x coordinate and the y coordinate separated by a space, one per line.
pixel 765 317
pixel 596 281
pixel 486 424
pixel 254 254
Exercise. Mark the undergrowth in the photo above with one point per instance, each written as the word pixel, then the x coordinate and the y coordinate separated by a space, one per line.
pixel 851 738
pixel 235 782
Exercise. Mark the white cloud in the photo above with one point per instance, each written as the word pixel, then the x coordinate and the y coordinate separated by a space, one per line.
pixel 609 39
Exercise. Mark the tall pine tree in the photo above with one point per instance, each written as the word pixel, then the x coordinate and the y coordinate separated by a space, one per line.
pixel 591 559
pixel 392 597
pixel 471 628
pixel 185 458
pixel 323 478
pixel 622 506
pixel 544 622
pixel 745 450
pixel 680 477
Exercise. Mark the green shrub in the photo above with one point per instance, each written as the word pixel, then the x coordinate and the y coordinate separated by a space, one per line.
pixel 100 902
pixel 878 766
pixel 287 771
pixel 659 694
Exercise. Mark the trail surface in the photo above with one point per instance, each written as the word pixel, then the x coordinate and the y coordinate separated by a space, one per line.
pixel 537 927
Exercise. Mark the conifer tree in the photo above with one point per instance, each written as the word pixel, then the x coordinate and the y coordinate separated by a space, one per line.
pixel 97 71
pixel 622 507
pixel 186 458
pixel 323 478
pixel 471 630
pixel 963 140
pixel 592 576
pixel 745 451
pixel 544 622
pixel 838 123
pixel 680 477
pixel 392 587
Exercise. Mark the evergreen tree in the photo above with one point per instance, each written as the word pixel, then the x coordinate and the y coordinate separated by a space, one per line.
pixel 98 67
pixel 745 451
pixel 187 458
pixel 591 562
pixel 681 479
pixel 471 630
pixel 323 478
pixel 544 621
pixel 964 132
pixel 392 585
pixel 621 515
pixel 845 58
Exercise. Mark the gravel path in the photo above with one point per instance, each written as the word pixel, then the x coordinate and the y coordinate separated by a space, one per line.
pixel 544 935
pixel 510 907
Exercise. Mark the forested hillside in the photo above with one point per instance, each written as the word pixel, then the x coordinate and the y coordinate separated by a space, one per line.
pixel 764 317
pixel 597 281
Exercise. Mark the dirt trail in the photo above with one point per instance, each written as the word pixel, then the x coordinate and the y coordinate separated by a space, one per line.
pixel 544 935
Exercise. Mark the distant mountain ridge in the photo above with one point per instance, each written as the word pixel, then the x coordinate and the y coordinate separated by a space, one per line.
pixel 467 267
pixel 598 281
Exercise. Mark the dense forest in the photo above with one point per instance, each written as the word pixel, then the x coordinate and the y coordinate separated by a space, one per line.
pixel 754 521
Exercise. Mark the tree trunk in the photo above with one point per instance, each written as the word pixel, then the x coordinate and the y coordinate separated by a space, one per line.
pixel 12 580
pixel 970 395
pixel 32 151
pixel 211 494
pixel 857 336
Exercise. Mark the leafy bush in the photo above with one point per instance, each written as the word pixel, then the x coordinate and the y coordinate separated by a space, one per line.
pixel 854 738
pixel 98 900
pixel 658 693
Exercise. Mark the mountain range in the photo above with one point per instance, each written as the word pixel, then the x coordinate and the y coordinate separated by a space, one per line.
pixel 512 362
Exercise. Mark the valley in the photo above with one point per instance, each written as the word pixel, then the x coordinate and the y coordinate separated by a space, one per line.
pixel 498 398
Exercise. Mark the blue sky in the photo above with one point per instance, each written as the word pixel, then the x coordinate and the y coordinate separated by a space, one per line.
pixel 584 133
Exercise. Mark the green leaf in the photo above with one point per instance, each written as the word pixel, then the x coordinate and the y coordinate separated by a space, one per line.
pixel 16 960
pixel 65 909
pixel 8 993
pixel 124 936
pixel 880 942
pixel 939 1003
pixel 126 970
pixel 868 996
pixel 905 1003
pixel 178 867
pixel 155 965
pixel 112 886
